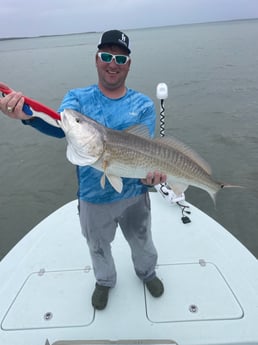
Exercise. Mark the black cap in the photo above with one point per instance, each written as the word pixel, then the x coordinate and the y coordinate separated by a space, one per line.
pixel 115 37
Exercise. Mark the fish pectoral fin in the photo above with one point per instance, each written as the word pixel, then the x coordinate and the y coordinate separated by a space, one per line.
pixel 103 181
pixel 105 164
pixel 103 177
pixel 116 182
pixel 178 188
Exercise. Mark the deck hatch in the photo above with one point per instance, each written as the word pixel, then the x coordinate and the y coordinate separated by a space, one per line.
pixel 52 299
pixel 193 292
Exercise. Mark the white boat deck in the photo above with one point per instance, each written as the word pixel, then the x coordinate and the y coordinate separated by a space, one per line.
pixel 210 279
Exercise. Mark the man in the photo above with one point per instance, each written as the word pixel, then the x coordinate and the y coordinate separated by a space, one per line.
pixel 112 104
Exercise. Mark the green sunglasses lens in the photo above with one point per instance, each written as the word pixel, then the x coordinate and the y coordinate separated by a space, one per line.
pixel 121 59
pixel 106 57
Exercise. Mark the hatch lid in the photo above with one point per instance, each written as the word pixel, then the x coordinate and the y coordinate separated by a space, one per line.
pixel 193 291
pixel 52 299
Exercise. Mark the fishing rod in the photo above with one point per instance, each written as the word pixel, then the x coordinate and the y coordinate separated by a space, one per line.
pixel 163 188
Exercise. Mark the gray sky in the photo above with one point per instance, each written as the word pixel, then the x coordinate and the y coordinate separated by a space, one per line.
pixel 50 17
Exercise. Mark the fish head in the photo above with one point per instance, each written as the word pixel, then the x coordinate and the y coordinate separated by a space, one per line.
pixel 84 138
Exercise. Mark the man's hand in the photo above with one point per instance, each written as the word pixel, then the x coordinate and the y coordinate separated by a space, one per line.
pixel 11 105
pixel 154 178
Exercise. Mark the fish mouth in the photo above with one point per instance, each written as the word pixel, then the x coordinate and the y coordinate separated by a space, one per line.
pixel 63 122
pixel 66 119
pixel 66 124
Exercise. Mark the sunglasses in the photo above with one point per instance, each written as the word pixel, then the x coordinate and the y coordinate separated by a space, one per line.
pixel 119 59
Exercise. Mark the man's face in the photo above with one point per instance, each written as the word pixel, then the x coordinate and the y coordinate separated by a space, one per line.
pixel 112 75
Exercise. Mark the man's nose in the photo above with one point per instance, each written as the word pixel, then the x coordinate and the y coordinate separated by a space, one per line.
pixel 113 62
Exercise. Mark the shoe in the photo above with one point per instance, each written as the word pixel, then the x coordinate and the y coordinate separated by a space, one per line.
pixel 155 287
pixel 99 297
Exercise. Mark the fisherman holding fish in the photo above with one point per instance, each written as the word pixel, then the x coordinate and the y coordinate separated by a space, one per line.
pixel 112 104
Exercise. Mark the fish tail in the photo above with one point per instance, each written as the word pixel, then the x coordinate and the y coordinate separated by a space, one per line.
pixel 213 193
pixel 213 196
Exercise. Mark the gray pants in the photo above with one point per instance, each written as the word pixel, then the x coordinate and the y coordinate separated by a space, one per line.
pixel 99 223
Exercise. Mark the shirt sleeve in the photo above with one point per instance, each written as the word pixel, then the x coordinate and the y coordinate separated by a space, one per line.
pixel 44 127
pixel 70 101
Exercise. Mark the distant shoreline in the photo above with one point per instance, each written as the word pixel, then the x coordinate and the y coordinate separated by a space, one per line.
pixel 128 29
pixel 42 36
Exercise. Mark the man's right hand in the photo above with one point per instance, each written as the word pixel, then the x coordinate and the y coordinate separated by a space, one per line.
pixel 11 105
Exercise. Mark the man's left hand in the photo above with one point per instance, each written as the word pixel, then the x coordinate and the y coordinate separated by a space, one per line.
pixel 154 178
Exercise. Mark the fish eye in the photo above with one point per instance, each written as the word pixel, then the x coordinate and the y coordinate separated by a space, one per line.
pixel 77 120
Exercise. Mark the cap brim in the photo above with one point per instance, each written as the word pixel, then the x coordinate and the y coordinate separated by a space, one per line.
pixel 115 44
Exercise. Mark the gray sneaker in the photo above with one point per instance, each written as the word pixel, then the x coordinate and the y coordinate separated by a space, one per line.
pixel 99 298
pixel 155 287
